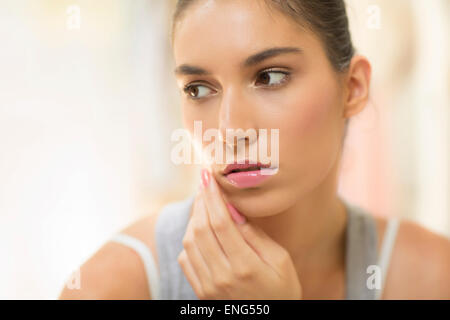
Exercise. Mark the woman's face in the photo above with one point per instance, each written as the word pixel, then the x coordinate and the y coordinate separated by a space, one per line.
pixel 296 92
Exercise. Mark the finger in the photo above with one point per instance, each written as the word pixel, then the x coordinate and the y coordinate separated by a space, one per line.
pixel 231 240
pixel 208 244
pixel 258 239
pixel 190 273
pixel 199 265
pixel 265 247
pixel 193 253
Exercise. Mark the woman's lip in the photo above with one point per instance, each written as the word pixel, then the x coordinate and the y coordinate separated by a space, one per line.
pixel 247 179
pixel 242 166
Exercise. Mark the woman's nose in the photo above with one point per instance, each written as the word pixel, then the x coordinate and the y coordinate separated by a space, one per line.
pixel 236 118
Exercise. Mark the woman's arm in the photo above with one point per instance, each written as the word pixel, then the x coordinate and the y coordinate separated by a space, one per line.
pixel 420 265
pixel 116 271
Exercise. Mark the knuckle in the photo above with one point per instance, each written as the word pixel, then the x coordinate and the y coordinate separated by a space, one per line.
pixel 208 292
pixel 219 225
pixel 285 258
pixel 246 229
pixel 244 273
pixel 201 295
pixel 181 257
pixel 198 230
pixel 222 282
pixel 187 242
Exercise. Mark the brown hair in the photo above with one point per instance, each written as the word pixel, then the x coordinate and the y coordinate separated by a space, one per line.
pixel 326 18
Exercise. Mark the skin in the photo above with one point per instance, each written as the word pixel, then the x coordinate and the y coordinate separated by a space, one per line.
pixel 225 260
pixel 312 103
pixel 294 232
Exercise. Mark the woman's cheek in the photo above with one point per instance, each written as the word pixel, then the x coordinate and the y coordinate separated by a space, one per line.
pixel 311 113
pixel 308 137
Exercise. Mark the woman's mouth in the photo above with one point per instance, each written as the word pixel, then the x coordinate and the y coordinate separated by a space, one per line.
pixel 248 175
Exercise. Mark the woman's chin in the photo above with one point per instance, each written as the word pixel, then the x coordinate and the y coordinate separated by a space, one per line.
pixel 254 203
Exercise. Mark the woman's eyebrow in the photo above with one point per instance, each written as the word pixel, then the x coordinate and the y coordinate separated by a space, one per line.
pixel 186 69
pixel 269 53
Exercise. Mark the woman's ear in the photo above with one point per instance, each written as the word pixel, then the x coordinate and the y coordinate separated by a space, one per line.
pixel 357 85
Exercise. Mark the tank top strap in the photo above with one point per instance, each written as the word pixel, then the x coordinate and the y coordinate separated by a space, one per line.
pixel 147 259
pixel 386 250
pixel 361 253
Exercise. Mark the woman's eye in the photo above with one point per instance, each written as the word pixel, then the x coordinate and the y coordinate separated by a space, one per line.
pixel 197 91
pixel 271 78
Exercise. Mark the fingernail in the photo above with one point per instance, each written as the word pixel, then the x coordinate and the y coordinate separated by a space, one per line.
pixel 205 177
pixel 237 217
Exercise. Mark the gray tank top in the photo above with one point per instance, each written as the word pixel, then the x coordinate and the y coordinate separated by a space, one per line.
pixel 361 252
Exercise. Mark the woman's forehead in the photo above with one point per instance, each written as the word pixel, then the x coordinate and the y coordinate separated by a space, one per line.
pixel 234 29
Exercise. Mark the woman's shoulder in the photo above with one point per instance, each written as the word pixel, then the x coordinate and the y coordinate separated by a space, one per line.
pixel 419 263
pixel 116 271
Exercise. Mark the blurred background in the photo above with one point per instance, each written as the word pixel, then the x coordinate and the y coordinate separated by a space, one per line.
pixel 88 103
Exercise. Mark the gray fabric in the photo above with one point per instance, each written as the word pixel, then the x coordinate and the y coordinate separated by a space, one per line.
pixel 169 232
pixel 361 251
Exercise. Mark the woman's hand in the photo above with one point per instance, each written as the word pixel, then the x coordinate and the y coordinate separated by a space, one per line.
pixel 226 260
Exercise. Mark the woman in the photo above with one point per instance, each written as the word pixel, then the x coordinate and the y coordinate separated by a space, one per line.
pixel 268 64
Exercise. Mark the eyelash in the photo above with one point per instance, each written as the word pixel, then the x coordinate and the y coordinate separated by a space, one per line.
pixel 270 70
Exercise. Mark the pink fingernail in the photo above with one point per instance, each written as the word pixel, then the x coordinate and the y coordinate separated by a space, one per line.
pixel 237 217
pixel 205 177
